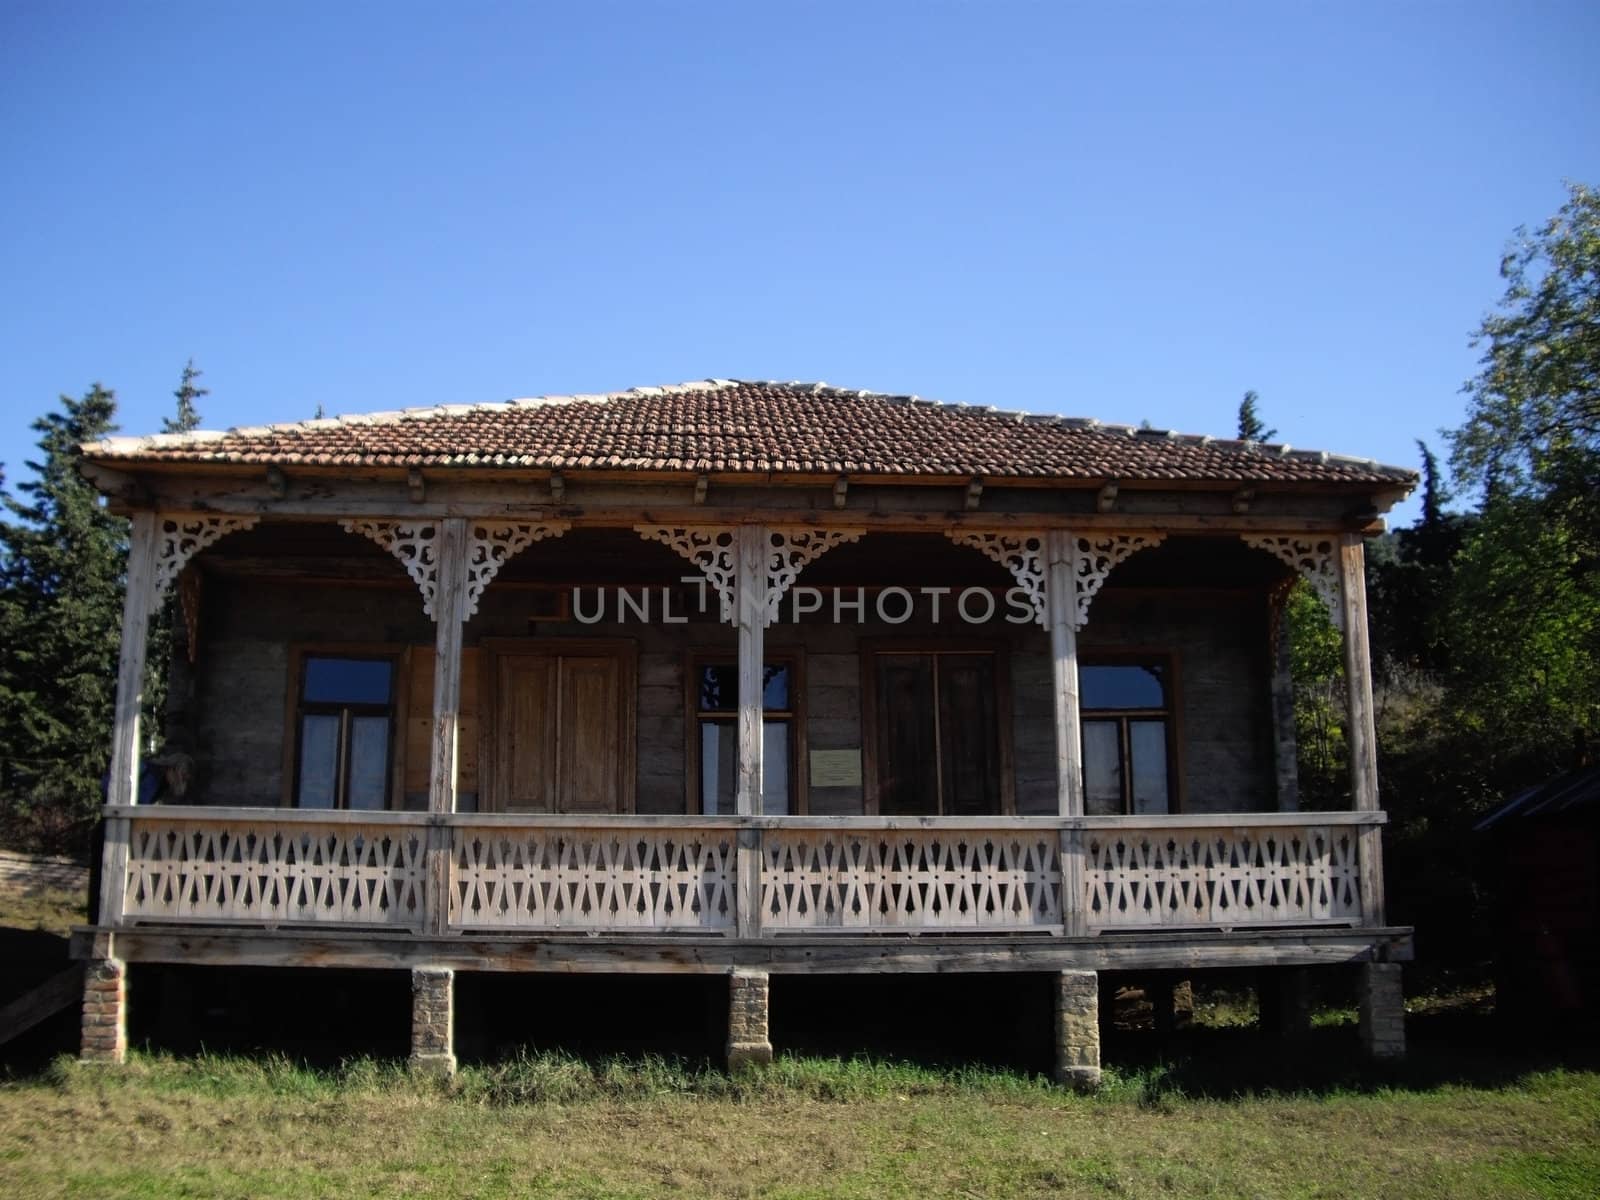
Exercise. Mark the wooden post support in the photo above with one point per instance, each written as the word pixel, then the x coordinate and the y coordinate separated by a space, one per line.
pixel 449 612
pixel 1061 597
pixel 750 595
pixel 123 789
pixel 1363 732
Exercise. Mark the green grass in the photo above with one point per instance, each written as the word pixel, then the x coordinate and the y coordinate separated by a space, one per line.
pixel 46 909
pixel 554 1125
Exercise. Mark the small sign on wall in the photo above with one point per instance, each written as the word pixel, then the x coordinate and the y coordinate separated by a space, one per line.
pixel 835 768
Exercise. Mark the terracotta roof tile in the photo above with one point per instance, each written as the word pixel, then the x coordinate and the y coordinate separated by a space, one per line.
pixel 730 426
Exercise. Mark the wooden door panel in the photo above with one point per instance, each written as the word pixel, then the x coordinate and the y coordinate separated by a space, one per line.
pixel 968 735
pixel 590 735
pixel 525 774
pixel 907 762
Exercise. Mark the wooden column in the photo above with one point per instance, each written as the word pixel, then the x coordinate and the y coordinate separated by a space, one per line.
pixel 750 596
pixel 1363 732
pixel 1061 609
pixel 449 612
pixel 123 789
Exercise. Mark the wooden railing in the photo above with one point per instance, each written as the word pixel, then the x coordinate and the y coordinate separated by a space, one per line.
pixel 631 874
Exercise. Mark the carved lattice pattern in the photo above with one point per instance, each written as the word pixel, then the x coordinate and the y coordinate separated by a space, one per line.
pixel 492 544
pixel 1315 558
pixel 1020 553
pixel 712 549
pixel 813 879
pixel 262 871
pixel 181 536
pixel 792 551
pixel 414 543
pixel 592 879
pixel 1286 876
pixel 1098 556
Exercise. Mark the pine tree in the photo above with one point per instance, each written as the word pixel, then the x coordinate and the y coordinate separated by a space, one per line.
pixel 188 391
pixel 1251 426
pixel 62 558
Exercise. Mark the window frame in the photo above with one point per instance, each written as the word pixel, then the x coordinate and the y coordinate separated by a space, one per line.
pixel 399 659
pixel 1137 657
pixel 792 657
pixel 868 649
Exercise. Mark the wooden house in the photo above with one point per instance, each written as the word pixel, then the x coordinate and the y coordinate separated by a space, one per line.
pixel 737 678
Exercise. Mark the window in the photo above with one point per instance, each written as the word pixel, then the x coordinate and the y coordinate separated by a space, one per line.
pixel 1127 736
pixel 938 731
pixel 714 701
pixel 344 718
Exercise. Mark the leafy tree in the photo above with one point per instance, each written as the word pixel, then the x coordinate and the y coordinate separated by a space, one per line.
pixel 1251 426
pixel 1534 418
pixel 62 558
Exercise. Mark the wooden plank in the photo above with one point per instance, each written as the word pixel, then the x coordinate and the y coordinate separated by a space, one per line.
pixel 589 737
pixel 50 997
pixel 114 869
pixel 796 955
pixel 1358 674
pixel 1061 597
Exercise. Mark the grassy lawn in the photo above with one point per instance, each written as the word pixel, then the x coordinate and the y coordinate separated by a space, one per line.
pixel 556 1126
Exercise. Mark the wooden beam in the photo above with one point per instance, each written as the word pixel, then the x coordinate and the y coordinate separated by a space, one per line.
pixel 702 484
pixel 1242 499
pixel 416 486
pixel 1106 500
pixel 558 487
pixel 449 611
pixel 277 483
pixel 138 602
pixel 974 493
pixel 1061 549
pixel 841 491
pixel 755 548
pixel 1363 731
pixel 843 954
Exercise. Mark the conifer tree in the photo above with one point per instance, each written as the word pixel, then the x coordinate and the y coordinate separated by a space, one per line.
pixel 1251 427
pixel 62 558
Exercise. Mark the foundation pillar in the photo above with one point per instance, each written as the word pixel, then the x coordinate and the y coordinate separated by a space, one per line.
pixel 1078 1029
pixel 1172 1004
pixel 433 1021
pixel 105 1011
pixel 1383 1011
pixel 749 1042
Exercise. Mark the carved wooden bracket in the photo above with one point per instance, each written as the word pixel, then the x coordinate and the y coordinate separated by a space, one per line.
pixel 713 549
pixel 1098 556
pixel 180 536
pixel 414 543
pixel 1315 557
pixel 1020 553
pixel 792 551
pixel 492 544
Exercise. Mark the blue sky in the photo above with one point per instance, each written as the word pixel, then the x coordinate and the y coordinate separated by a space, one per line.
pixel 1133 212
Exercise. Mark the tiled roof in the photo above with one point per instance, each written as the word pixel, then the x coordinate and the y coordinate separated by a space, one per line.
pixel 723 426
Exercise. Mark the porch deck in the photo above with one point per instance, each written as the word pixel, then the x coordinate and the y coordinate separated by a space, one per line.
pixel 674 892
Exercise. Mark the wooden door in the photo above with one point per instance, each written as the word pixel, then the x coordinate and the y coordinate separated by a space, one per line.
pixel 562 729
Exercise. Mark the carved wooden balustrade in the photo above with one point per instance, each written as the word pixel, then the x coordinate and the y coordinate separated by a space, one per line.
pixel 640 874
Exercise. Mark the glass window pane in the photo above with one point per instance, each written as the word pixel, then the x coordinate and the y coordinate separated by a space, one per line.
pixel 1128 686
pixel 775 768
pixel 719 766
pixel 369 762
pixel 775 687
pixel 319 761
pixel 1148 743
pixel 718 689
pixel 347 680
pixel 1102 768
